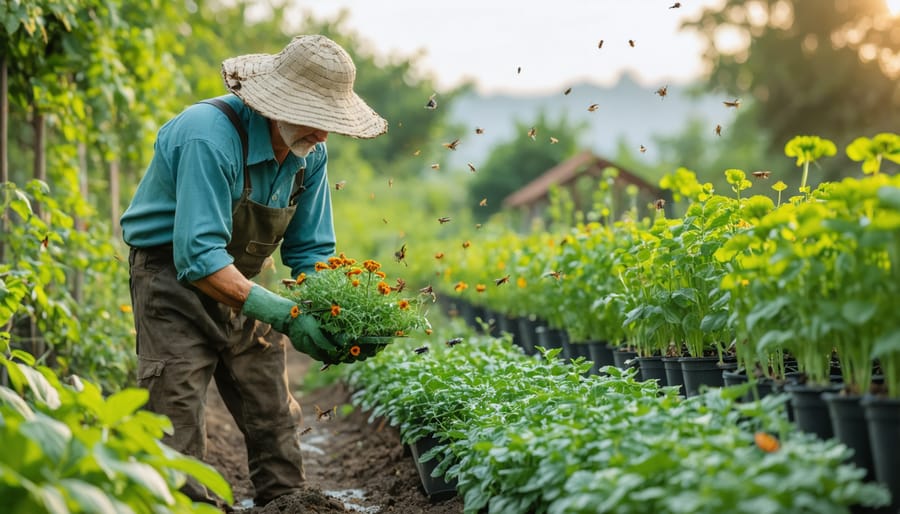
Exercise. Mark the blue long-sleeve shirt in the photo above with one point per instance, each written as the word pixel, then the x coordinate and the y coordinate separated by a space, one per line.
pixel 187 194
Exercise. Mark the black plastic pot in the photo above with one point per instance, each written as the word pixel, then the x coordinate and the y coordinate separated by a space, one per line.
pixel 810 411
pixel 527 337
pixel 436 488
pixel 703 371
pixel 625 359
pixel 652 368
pixel 674 376
pixel 883 423
pixel 602 355
pixel 848 422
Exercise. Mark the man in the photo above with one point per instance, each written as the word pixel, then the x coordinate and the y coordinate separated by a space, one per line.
pixel 231 180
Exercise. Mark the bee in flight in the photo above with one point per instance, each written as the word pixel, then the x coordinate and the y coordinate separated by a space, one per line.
pixel 400 254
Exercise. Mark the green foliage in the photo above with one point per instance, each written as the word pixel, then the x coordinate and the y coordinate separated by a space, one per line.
pixel 807 150
pixel 872 151
pixel 88 332
pixel 67 448
pixel 524 434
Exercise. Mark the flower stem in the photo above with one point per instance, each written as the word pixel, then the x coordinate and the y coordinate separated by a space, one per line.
pixel 805 173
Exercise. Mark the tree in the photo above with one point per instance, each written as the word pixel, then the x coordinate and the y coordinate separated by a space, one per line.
pixel 817 67
pixel 518 161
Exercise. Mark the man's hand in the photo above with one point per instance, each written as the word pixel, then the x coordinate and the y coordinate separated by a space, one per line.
pixel 284 316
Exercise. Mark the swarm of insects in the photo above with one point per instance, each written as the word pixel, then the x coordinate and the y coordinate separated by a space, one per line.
pixel 435 166
pixel 643 148
pixel 453 342
pixel 479 130
pixel 734 103
pixel 718 130
pixel 663 91
pixel 631 43
pixel 444 219
pixel 600 44
pixel 567 91
pixel 340 185
pixel 483 202
pixel 676 5
pixel 593 107
pixel 553 140
pixel 471 167
pixel 452 144
pixel 501 280
pixel 761 174
pixel 420 350
pixel 432 103
pixel 532 133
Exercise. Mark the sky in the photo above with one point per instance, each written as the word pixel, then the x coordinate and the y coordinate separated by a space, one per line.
pixel 554 42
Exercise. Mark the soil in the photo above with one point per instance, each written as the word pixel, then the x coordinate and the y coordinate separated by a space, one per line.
pixel 351 465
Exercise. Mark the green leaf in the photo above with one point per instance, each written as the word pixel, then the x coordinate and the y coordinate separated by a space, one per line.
pixel 887 344
pixel 204 473
pixel 89 497
pixel 51 435
pixel 9 397
pixel 40 387
pixel 859 312
pixel 142 474
pixel 52 499
pixel 122 404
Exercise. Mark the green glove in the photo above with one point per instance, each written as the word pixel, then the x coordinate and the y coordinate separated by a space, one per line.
pixel 302 330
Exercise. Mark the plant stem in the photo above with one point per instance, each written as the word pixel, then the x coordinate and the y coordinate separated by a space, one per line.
pixel 805 173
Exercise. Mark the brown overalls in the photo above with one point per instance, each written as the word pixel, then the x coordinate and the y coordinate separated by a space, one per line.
pixel 185 338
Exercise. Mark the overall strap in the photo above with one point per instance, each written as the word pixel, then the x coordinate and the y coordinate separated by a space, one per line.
pixel 236 121
pixel 298 185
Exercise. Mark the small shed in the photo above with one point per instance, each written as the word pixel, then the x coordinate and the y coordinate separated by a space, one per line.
pixel 580 175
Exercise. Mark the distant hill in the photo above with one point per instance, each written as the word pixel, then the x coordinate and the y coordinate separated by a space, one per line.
pixel 627 110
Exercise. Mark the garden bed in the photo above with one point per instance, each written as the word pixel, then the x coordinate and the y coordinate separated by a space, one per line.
pixel 365 461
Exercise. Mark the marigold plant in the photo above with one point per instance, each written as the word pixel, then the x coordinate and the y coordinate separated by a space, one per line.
pixel 356 300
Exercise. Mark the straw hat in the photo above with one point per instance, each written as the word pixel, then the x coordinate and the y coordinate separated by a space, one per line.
pixel 308 83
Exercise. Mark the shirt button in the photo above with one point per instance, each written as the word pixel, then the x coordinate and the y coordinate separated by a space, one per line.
pixel 275 197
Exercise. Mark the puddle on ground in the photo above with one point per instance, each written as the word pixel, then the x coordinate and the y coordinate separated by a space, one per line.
pixel 309 444
pixel 350 497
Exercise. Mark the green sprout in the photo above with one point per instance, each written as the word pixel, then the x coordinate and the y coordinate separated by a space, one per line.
pixel 779 187
pixel 808 149
pixel 738 180
pixel 885 145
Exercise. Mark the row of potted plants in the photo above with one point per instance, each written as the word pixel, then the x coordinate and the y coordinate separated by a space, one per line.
pixel 785 290
pixel 520 434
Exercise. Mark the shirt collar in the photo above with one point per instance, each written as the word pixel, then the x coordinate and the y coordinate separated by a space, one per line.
pixel 261 144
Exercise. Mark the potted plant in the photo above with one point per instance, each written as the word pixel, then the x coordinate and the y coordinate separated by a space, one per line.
pixel 357 305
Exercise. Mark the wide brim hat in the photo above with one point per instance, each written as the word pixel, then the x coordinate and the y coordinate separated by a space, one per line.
pixel 310 82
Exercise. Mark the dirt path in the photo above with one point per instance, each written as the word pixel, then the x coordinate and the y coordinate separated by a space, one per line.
pixel 362 464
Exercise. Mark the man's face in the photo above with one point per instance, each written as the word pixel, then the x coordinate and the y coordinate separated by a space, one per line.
pixel 300 138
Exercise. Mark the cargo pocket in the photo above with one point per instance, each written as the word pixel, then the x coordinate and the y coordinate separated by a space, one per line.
pixel 149 371
pixel 259 249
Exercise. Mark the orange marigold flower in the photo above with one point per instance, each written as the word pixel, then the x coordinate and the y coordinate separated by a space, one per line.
pixel 428 331
pixel 371 265
pixel 295 311
pixel 354 351
pixel 460 286
pixel 766 442
pixel 466 244
pixel 399 333
pixel 125 308
pixel 521 282
pixel 354 283
pixel 403 304
pixel 354 271
pixel 384 288
pixel 301 278
pixel 439 255
pixel 335 309
pixel 321 266
pixel 381 274
pixel 335 262
pixel 480 288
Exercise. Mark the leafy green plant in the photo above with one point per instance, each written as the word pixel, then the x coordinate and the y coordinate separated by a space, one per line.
pixel 535 435
pixel 808 149
pixel 873 151
pixel 67 448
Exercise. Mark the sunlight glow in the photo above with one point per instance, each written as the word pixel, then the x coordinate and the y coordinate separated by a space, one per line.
pixel 893 6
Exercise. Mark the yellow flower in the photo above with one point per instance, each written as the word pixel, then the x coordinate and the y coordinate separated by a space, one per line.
pixel 461 286
pixel 321 266
pixel 403 305
pixel 521 282
pixel 380 274
pixel 301 278
pixel 371 265
pixel 354 282
pixel 480 288
pixel 125 308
